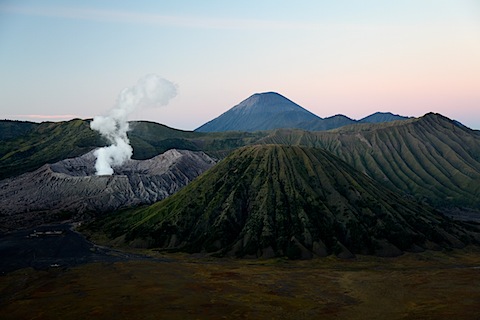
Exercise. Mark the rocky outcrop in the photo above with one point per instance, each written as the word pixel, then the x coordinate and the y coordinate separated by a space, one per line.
pixel 71 186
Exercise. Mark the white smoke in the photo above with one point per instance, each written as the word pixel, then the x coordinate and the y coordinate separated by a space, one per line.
pixel 151 90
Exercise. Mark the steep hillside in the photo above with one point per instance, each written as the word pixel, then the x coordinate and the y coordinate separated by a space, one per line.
pixel 431 158
pixel 10 129
pixel 261 111
pixel 70 187
pixel 47 142
pixel 150 138
pixel 265 201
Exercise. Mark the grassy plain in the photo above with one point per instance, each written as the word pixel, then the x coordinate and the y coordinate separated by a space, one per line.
pixel 429 285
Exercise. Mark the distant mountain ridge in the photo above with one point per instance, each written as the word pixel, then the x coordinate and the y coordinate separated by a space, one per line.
pixel 378 117
pixel 270 110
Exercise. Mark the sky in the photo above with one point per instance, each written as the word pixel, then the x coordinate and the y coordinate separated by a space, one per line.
pixel 70 59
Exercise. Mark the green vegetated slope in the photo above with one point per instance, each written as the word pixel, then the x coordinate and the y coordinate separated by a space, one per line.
pixel 27 146
pixel 150 139
pixel 37 144
pixel 10 129
pixel 431 158
pixel 284 201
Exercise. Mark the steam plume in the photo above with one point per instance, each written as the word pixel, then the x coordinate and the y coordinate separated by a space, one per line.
pixel 151 90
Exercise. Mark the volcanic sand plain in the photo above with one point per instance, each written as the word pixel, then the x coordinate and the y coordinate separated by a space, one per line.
pixel 428 285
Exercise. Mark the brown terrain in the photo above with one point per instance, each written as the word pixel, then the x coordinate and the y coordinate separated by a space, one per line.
pixel 428 285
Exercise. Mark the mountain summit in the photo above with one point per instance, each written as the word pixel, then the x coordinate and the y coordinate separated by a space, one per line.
pixel 270 110
pixel 261 111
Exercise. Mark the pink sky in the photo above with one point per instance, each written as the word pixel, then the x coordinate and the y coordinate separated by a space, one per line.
pixel 331 57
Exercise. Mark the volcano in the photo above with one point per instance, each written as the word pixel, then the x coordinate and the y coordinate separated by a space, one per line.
pixel 272 200
pixel 70 187
pixel 261 111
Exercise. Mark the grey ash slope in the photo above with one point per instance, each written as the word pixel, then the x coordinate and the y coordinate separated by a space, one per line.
pixel 265 201
pixel 261 111
pixel 71 187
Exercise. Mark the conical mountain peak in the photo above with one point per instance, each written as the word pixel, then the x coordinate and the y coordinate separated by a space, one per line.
pixel 261 111
pixel 261 102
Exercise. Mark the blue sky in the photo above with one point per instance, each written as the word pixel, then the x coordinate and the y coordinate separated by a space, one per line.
pixel 64 59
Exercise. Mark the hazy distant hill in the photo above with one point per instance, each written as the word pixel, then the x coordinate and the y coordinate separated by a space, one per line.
pixel 265 201
pixel 378 117
pixel 261 111
pixel 329 123
pixel 270 110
